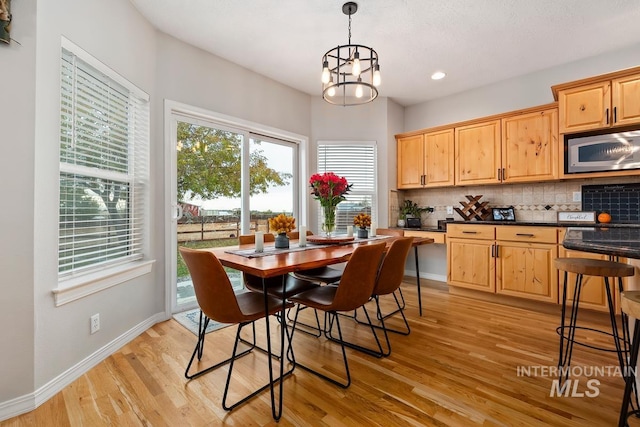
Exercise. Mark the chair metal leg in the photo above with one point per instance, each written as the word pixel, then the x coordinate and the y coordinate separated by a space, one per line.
pixel 347 383
pixel 630 378
pixel 228 407
pixel 381 317
pixel 377 353
pixel 564 359
pixel 200 347
pixel 317 328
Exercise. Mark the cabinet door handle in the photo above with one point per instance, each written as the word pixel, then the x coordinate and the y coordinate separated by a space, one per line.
pixel 497 251
pixel 469 232
pixel 499 174
pixel 504 174
pixel 524 234
pixel 615 114
pixel 607 114
pixel 493 251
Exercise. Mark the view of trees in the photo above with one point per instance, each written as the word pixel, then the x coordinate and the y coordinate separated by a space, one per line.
pixel 209 165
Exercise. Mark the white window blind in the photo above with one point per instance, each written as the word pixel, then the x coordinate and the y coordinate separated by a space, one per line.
pixel 104 139
pixel 357 163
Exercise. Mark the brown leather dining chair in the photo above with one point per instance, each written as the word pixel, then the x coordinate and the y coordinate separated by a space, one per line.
pixel 388 282
pixel 325 275
pixel 354 291
pixel 274 285
pixel 219 302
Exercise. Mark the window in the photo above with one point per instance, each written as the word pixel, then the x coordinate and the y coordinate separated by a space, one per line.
pixel 104 139
pixel 356 161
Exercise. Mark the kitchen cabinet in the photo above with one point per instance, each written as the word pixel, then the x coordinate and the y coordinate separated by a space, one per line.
pixel 470 262
pixel 477 153
pixel 602 102
pixel 509 260
pixel 518 148
pixel 410 161
pixel 426 160
pixel 524 262
pixel 530 147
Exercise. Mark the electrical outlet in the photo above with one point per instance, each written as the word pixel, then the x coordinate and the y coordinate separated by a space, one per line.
pixel 95 323
pixel 449 210
pixel 577 196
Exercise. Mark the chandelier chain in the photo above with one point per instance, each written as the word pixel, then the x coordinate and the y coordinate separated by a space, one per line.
pixel 349 28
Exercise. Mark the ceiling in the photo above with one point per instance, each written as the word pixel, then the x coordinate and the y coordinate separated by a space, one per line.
pixel 476 42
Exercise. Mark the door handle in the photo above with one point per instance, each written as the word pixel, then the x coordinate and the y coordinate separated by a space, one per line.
pixel 504 174
pixel 178 211
pixel 524 234
pixel 607 114
pixel 469 232
pixel 499 174
pixel 493 251
pixel 615 114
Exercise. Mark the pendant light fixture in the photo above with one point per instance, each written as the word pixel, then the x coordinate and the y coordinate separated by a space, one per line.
pixel 350 73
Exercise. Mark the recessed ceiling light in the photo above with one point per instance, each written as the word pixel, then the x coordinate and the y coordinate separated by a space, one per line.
pixel 437 75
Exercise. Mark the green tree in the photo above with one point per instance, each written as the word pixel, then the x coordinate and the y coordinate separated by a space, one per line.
pixel 209 164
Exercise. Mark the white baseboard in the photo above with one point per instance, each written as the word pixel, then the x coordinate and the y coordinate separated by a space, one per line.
pixel 430 276
pixel 31 401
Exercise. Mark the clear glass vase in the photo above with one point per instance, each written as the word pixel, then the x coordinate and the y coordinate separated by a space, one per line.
pixel 329 223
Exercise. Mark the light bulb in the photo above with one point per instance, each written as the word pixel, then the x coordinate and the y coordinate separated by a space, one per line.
pixel 332 90
pixel 325 72
pixel 359 90
pixel 355 68
pixel 376 76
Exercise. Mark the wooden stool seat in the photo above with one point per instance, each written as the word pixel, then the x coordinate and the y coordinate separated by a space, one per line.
pixel 594 267
pixel 630 303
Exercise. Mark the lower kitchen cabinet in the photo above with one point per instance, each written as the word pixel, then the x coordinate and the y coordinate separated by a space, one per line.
pixel 526 270
pixel 509 260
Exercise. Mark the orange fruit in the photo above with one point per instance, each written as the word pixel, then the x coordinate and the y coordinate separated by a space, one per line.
pixel 604 217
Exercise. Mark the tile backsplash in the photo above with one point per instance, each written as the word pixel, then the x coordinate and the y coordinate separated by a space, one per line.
pixel 536 202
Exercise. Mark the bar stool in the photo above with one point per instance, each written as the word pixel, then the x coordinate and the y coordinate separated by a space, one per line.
pixel 589 267
pixel 631 307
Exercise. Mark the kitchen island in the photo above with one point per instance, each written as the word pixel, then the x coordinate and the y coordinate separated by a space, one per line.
pixel 613 241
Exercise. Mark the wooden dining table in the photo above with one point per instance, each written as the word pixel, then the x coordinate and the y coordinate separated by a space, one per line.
pixel 277 263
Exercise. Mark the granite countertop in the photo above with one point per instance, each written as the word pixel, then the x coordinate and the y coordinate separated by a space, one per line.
pixel 617 241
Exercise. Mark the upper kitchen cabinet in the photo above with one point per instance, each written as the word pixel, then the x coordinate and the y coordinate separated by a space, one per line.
pixel 599 102
pixel 477 153
pixel 530 147
pixel 426 160
pixel 438 148
pixel 410 161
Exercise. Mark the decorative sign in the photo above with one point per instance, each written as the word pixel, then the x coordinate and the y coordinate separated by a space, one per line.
pixel 577 217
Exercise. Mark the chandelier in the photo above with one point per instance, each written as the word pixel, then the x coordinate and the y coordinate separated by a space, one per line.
pixel 350 73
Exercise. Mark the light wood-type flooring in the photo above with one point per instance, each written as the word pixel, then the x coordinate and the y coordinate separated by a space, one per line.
pixel 457 368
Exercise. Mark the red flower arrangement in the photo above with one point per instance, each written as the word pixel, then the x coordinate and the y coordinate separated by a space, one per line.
pixel 330 190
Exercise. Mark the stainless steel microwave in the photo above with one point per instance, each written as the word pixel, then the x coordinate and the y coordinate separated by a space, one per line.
pixel 610 152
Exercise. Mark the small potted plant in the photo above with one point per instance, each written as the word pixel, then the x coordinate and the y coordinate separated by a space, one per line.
pixel 281 225
pixel 362 221
pixel 410 209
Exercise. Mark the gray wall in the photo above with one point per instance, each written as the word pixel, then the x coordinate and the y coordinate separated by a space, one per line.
pixel 514 94
pixel 378 121
pixel 16 216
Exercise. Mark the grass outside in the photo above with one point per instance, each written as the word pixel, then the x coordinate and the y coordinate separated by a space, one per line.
pixel 199 244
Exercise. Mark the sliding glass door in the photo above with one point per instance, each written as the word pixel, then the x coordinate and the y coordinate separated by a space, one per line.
pixel 225 182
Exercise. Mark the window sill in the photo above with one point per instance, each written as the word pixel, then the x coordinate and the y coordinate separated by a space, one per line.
pixel 79 287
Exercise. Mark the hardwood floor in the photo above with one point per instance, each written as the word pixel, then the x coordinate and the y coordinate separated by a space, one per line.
pixel 459 367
